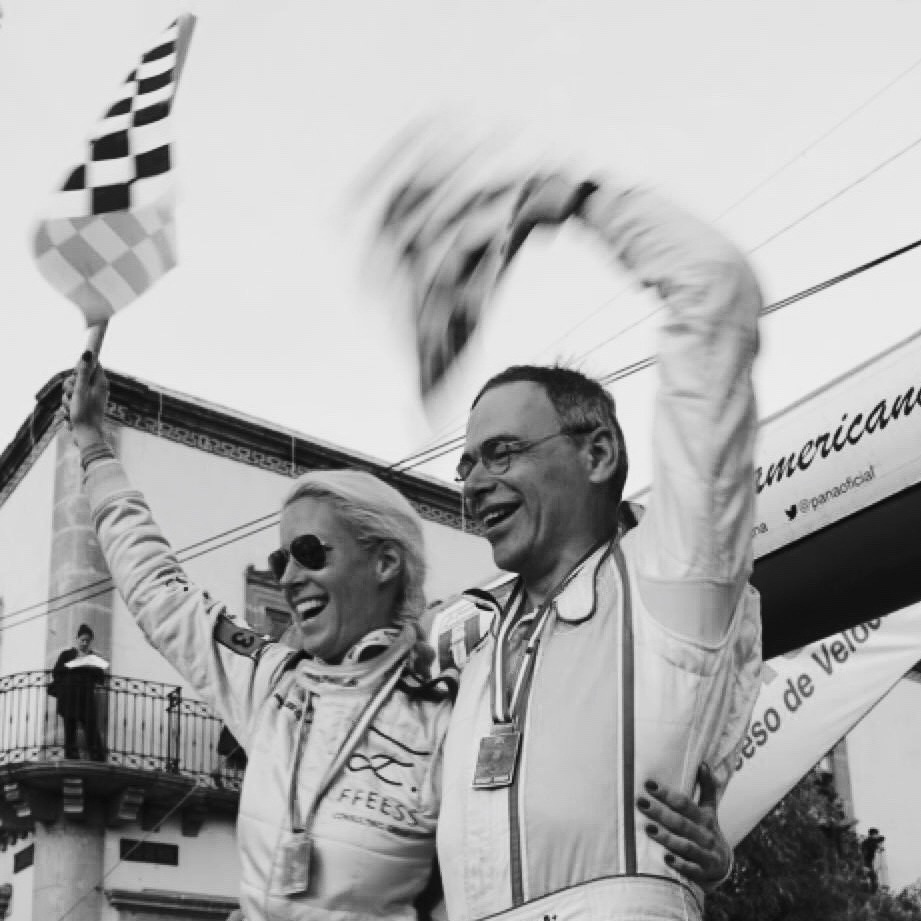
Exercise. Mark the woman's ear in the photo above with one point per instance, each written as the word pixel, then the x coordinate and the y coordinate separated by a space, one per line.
pixel 602 454
pixel 389 561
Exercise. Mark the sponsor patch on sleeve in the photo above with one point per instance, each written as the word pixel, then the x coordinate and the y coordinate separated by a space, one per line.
pixel 241 640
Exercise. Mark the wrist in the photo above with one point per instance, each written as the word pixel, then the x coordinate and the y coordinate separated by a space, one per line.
pixel 85 435
pixel 99 450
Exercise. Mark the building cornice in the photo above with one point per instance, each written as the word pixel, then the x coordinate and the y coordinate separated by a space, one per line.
pixel 186 904
pixel 219 431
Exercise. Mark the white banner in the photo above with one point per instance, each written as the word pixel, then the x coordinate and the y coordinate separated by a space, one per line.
pixel 841 449
pixel 809 700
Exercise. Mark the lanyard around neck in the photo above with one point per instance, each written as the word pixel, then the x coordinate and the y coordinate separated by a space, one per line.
pixel 504 705
pixel 348 746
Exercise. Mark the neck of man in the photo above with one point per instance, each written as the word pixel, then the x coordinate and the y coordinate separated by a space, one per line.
pixel 543 584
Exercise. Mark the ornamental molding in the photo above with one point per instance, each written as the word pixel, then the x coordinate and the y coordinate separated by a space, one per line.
pixel 218 431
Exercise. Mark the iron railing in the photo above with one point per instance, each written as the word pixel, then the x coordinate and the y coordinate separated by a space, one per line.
pixel 144 725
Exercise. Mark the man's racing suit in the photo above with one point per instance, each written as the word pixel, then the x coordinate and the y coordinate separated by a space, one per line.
pixel 649 662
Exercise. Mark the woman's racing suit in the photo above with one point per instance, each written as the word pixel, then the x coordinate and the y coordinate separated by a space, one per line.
pixel 373 834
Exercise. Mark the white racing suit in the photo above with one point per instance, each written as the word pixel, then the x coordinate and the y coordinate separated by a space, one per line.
pixel 373 833
pixel 650 661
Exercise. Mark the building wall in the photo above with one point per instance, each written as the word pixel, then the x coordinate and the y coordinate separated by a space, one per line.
pixel 456 561
pixel 20 908
pixel 25 546
pixel 208 863
pixel 884 751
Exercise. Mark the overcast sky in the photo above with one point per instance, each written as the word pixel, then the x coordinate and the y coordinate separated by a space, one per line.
pixel 273 311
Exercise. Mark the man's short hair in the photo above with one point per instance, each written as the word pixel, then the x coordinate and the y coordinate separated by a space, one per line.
pixel 85 630
pixel 579 401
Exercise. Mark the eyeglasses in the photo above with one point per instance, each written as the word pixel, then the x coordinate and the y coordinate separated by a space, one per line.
pixel 496 453
pixel 308 551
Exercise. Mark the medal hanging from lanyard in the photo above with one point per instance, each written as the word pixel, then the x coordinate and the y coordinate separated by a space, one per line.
pixel 497 758
pixel 295 842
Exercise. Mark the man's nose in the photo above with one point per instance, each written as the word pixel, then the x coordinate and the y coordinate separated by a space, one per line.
pixel 477 485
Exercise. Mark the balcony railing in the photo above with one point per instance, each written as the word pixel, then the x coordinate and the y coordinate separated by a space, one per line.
pixel 144 725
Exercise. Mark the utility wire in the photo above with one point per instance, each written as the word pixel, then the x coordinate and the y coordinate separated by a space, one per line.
pixel 814 143
pixel 837 195
pixel 264 522
pixel 76 596
pixel 745 197
pixel 617 375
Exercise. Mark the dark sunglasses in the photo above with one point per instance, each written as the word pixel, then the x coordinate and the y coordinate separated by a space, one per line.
pixel 308 551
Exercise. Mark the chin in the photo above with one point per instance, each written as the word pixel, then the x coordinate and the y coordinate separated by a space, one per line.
pixel 506 558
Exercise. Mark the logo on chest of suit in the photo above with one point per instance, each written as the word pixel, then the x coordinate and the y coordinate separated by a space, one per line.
pixel 375 809
pixel 386 765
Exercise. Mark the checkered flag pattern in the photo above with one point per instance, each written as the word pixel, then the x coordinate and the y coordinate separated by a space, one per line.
pixel 108 234
pixel 445 223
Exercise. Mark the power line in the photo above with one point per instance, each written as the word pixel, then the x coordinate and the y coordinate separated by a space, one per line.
pixel 105 585
pixel 844 276
pixel 770 239
pixel 263 522
pixel 108 581
pixel 837 195
pixel 814 143
pixel 745 197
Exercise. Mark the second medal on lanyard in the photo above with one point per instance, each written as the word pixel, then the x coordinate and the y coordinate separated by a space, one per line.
pixel 497 758
pixel 294 863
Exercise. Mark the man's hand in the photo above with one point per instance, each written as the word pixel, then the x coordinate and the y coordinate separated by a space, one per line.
pixel 688 831
pixel 84 396
pixel 548 199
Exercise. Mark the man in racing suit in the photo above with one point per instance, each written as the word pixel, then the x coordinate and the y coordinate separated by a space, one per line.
pixel 614 661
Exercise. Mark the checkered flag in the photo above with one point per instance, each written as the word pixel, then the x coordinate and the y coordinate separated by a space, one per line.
pixel 108 234
pixel 449 198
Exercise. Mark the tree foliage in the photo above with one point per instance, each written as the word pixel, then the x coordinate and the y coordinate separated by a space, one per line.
pixel 803 863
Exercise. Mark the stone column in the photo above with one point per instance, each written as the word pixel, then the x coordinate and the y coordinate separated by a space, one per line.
pixel 68 869
pixel 76 565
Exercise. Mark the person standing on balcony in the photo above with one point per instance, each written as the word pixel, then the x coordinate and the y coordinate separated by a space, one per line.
pixel 344 735
pixel 77 673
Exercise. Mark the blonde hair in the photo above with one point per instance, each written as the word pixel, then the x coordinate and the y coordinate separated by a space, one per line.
pixel 375 512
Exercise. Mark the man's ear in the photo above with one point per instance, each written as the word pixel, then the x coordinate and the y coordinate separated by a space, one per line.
pixel 602 454
pixel 389 562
